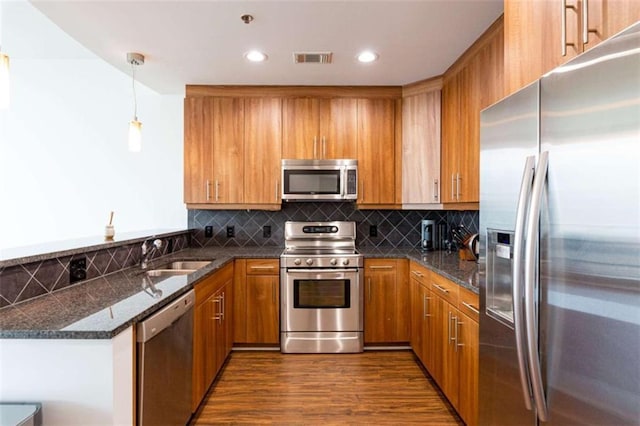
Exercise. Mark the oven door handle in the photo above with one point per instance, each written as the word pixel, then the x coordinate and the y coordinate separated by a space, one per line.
pixel 326 273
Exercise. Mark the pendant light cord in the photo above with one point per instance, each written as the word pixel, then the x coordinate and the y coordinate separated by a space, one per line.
pixel 133 85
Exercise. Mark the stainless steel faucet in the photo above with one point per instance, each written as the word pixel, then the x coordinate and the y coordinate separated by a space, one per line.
pixel 147 251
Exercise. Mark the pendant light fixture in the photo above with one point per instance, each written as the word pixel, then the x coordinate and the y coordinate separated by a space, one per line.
pixel 135 126
pixel 4 72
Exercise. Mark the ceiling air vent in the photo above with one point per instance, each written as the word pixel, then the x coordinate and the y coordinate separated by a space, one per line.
pixel 312 58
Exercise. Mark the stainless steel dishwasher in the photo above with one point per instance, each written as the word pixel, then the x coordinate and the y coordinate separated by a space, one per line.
pixel 164 364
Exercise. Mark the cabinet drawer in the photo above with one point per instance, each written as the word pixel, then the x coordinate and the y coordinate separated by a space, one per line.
pixel 419 273
pixel 379 265
pixel 263 267
pixel 469 303
pixel 205 288
pixel 444 288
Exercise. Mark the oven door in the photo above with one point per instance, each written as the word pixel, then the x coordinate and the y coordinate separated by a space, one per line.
pixel 322 300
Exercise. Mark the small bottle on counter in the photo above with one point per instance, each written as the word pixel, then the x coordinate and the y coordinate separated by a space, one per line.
pixel 109 231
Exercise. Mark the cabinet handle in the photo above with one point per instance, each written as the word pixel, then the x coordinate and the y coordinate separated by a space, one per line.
pixel 381 267
pixel 458 179
pixel 273 293
pixel 458 324
pixel 260 268
pixel 563 32
pixel 369 284
pixel 453 186
pixel 222 303
pixel 324 147
pixel 417 274
pixel 449 329
pixel 425 306
pixel 207 185
pixel 473 308
pixel 435 189
pixel 218 315
pixel 315 151
pixel 216 190
pixel 362 191
pixel 585 22
pixel 442 289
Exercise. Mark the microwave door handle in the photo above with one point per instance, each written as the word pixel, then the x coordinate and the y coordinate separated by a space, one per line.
pixel 345 174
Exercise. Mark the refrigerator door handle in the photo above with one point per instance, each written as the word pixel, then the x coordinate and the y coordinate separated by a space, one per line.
pixel 518 242
pixel 530 263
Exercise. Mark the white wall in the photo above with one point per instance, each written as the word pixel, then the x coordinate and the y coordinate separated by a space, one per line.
pixel 64 163
pixel 79 382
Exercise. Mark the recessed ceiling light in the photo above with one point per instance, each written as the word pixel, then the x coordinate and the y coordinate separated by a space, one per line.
pixel 367 56
pixel 255 56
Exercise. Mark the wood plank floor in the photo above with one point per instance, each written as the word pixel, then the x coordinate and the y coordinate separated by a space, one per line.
pixel 382 387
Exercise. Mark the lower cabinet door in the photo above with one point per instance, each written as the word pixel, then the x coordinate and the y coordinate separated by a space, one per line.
pixel 262 309
pixel 468 356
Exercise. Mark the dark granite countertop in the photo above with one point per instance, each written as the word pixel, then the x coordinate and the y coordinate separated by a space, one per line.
pixel 103 307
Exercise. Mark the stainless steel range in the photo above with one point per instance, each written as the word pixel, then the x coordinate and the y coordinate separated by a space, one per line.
pixel 321 308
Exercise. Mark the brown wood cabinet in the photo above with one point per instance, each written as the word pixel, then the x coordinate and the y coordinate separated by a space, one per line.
pixel 376 152
pixel 446 316
pixel 263 150
pixel 212 330
pixel 232 151
pixel 319 128
pixel 425 328
pixel 470 85
pixel 386 301
pixel 421 144
pixel 257 301
pixel 214 150
pixel 534 37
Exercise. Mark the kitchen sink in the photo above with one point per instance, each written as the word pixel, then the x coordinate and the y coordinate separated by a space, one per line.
pixel 178 267
pixel 185 264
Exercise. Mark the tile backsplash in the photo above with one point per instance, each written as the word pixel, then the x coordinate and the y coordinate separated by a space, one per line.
pixel 395 228
pixel 22 282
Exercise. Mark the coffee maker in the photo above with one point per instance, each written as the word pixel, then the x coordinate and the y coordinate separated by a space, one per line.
pixel 427 240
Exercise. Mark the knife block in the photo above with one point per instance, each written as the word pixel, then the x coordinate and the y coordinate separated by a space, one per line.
pixel 465 254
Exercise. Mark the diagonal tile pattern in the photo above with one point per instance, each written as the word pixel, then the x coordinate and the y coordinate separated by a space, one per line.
pixel 396 228
pixel 27 281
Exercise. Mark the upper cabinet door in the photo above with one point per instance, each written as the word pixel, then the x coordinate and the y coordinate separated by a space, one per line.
pixel 319 128
pixel 228 150
pixel 198 154
pixel 421 147
pixel 338 128
pixel 376 151
pixel 263 150
pixel 535 42
pixel 300 128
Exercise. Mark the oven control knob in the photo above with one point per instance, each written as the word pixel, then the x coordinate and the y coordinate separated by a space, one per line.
pixel 345 262
pixel 333 262
pixel 297 262
pixel 309 262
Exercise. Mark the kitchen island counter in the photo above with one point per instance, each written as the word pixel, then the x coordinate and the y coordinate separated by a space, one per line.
pixel 103 307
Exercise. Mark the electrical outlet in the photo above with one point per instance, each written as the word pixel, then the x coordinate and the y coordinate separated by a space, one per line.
pixel 208 231
pixel 77 270
pixel 373 230
pixel 231 231
pixel 266 231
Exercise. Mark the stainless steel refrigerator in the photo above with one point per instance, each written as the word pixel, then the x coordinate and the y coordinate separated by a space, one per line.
pixel 560 253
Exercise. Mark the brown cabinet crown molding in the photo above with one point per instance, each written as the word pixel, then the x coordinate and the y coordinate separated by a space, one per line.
pixel 294 91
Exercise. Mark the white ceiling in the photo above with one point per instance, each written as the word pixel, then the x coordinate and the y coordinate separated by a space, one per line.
pixel 203 42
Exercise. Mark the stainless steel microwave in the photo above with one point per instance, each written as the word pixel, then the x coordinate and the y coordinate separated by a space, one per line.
pixel 319 180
